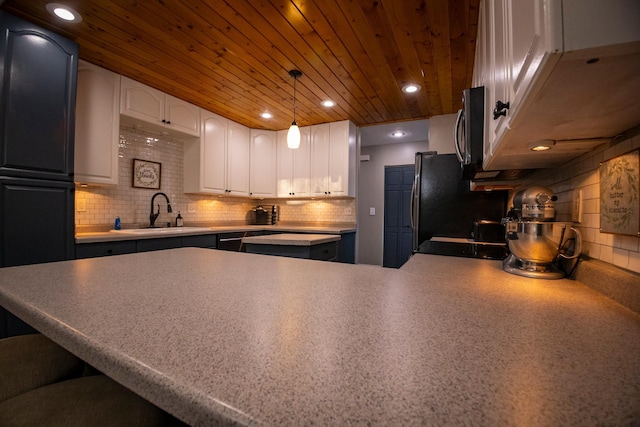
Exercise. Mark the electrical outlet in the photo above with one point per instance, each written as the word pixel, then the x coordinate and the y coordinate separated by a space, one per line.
pixel 347 211
pixel 576 206
pixel 372 211
pixel 81 205
pixel 191 207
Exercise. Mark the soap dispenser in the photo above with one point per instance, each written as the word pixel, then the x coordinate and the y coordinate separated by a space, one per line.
pixel 179 220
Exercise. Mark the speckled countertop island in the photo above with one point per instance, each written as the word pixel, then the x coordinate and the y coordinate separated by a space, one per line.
pixel 215 336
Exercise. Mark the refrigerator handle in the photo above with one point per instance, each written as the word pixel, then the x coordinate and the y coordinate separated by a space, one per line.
pixel 456 137
pixel 413 202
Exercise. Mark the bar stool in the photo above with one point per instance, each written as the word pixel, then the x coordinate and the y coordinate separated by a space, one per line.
pixel 28 362
pixel 42 384
pixel 86 401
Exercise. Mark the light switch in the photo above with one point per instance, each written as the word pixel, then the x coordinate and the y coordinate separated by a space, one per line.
pixel 81 205
pixel 191 207
pixel 372 211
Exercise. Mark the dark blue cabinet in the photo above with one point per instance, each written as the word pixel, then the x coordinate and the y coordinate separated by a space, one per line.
pixel 38 72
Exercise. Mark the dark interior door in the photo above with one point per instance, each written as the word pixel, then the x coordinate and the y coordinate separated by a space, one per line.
pixel 398 181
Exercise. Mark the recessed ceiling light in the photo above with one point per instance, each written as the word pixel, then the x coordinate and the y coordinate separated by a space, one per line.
pixel 328 103
pixel 398 134
pixel 543 145
pixel 266 115
pixel 64 12
pixel 410 88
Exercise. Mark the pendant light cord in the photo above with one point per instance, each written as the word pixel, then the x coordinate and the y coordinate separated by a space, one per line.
pixel 295 79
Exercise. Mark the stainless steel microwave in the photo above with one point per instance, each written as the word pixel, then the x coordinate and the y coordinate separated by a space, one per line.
pixel 469 139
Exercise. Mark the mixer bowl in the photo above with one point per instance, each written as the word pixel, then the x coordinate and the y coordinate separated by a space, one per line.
pixel 532 241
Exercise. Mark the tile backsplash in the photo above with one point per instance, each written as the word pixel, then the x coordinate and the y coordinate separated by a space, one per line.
pixel 102 204
pixel 583 174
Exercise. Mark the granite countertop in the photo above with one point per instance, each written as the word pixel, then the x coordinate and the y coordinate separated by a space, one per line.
pixel 449 341
pixel 145 233
pixel 291 239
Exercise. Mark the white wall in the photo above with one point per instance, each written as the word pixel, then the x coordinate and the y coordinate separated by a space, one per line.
pixel 371 182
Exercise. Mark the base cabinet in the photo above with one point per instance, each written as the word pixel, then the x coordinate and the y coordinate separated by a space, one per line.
pixel 322 252
pixel 99 249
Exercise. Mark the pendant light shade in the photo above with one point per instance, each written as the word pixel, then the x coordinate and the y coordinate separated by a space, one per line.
pixel 293 136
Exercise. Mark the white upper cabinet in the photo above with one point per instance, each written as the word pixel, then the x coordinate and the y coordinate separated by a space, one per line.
pixel 320 147
pixel 218 162
pixel 97 125
pixel 556 70
pixel 333 147
pixel 263 163
pixel 163 112
pixel 238 159
pixel 293 166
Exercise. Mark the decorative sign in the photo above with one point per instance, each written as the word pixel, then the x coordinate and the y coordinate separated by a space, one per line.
pixel 146 174
pixel 619 205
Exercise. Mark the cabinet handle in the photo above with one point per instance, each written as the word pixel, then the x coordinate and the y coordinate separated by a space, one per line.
pixel 500 110
pixel 164 121
pixel 168 122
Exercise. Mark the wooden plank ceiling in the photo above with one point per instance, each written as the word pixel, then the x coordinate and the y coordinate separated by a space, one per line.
pixel 233 57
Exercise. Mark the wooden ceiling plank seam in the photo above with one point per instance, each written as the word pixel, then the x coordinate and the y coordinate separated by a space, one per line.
pixel 306 106
pixel 402 29
pixel 421 34
pixel 339 78
pixel 458 36
pixel 438 18
pixel 355 54
pixel 366 35
pixel 387 38
pixel 321 37
pixel 283 45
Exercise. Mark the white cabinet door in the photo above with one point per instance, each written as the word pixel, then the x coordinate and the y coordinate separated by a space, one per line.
pixel 141 102
pixel 263 163
pixel 238 152
pixel 301 168
pixel 526 49
pixel 293 166
pixel 97 125
pixel 320 146
pixel 284 165
pixel 213 154
pixel 182 116
pixel 498 89
pixel 164 112
pixel 339 133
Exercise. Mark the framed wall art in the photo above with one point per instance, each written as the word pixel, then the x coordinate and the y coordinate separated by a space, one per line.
pixel 619 195
pixel 146 174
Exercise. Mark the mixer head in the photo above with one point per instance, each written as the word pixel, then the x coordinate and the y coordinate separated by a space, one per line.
pixel 535 203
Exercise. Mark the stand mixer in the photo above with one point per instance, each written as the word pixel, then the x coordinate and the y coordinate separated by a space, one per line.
pixel 537 243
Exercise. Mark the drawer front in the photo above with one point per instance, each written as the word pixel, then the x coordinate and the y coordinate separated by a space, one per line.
pixel 200 241
pixel 159 244
pixel 92 250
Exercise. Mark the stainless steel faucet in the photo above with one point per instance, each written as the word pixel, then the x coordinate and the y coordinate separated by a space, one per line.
pixel 154 216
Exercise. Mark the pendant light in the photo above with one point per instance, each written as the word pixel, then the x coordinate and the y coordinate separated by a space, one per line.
pixel 293 136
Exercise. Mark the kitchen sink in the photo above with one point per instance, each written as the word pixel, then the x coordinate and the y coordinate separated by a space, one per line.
pixel 160 231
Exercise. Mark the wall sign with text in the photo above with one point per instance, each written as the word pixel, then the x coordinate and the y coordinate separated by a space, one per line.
pixel 619 195
pixel 146 174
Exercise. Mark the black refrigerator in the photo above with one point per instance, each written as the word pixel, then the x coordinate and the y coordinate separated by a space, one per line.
pixel 37 124
pixel 448 218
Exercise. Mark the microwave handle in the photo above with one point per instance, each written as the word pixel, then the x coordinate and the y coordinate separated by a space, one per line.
pixel 456 136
